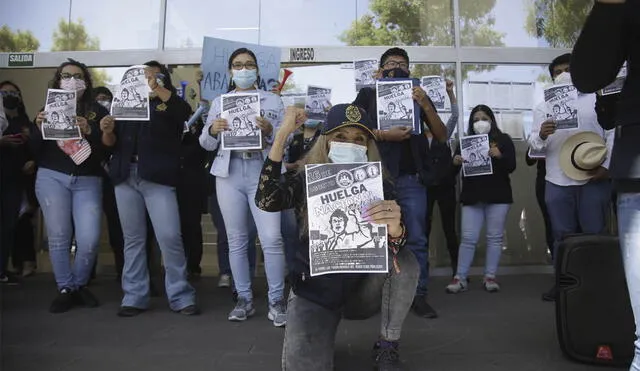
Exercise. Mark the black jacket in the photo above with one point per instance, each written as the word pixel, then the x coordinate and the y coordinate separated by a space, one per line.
pixel 611 35
pixel 439 165
pixel 12 159
pixel 494 188
pixel 157 142
pixel 49 156
pixel 332 290
pixel 391 152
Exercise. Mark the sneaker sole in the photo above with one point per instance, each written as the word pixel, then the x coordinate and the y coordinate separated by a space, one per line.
pixel 242 319
pixel 272 318
pixel 456 292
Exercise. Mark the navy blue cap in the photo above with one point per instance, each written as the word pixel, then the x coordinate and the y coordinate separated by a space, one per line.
pixel 343 115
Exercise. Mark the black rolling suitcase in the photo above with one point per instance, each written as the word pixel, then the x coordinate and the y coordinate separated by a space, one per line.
pixel 593 312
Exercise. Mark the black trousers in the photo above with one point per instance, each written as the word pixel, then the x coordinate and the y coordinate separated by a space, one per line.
pixel 540 187
pixel 191 205
pixel 445 196
pixel 24 249
pixel 10 202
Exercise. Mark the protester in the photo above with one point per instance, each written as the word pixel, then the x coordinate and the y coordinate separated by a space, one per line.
pixel 17 169
pixel 144 168
pixel 316 304
pixel 484 198
pixel 237 174
pixel 69 190
pixel 404 155
pixel 610 37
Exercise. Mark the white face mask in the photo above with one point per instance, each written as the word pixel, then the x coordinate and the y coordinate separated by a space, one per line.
pixel 343 153
pixel 482 127
pixel 72 84
pixel 563 78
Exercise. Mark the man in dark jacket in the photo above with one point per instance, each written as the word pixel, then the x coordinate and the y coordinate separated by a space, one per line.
pixel 403 154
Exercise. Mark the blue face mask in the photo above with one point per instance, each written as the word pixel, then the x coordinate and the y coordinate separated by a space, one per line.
pixel 344 153
pixel 244 78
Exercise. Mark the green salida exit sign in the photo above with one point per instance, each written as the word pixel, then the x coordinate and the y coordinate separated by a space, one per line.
pixel 21 60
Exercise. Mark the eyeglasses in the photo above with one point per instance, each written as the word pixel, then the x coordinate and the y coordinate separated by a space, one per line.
pixel 394 64
pixel 248 65
pixel 9 93
pixel 67 76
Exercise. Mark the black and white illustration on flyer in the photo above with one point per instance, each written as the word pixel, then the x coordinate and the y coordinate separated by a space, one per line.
pixel 318 103
pixel 131 98
pixel 616 86
pixel 436 89
pixel 561 104
pixel 60 122
pixel 240 111
pixel 294 99
pixel 340 239
pixel 474 150
pixel 364 73
pixel 395 104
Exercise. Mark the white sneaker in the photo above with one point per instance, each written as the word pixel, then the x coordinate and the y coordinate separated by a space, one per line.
pixel 278 313
pixel 490 284
pixel 457 285
pixel 28 269
pixel 224 280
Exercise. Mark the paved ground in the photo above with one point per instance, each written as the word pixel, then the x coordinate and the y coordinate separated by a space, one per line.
pixel 513 330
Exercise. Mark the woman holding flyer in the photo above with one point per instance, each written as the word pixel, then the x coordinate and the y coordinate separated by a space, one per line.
pixel 144 169
pixel 484 197
pixel 316 304
pixel 69 189
pixel 237 172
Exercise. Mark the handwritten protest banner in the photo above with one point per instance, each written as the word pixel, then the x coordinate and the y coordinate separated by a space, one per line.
pixel 215 65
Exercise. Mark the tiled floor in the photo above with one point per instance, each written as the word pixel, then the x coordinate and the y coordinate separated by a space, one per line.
pixel 513 330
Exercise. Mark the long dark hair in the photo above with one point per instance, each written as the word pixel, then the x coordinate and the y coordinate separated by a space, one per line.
pixel 167 75
pixel 495 131
pixel 233 56
pixel 86 101
pixel 22 110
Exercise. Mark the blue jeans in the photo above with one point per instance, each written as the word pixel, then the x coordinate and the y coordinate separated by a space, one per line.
pixel 412 198
pixel 136 197
pixel 473 218
pixel 582 208
pixel 71 203
pixel 236 197
pixel 222 243
pixel 629 232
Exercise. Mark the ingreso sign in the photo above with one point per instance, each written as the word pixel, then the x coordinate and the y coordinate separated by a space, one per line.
pixel 21 60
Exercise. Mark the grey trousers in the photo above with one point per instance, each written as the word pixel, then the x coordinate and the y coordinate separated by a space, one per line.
pixel 311 329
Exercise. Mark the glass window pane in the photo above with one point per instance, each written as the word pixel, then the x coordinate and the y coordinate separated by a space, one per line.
pixel 512 92
pixel 113 25
pixel 385 22
pixel 320 23
pixel 34 29
pixel 188 21
pixel 523 23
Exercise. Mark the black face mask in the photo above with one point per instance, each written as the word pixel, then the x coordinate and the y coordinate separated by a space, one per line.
pixel 396 73
pixel 10 102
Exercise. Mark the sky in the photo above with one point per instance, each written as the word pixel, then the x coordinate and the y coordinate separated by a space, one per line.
pixel 133 24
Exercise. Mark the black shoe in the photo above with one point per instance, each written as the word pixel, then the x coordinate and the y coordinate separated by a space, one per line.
pixel 550 295
pixel 129 311
pixel 85 298
pixel 191 310
pixel 9 279
pixel 386 356
pixel 63 302
pixel 194 276
pixel 422 309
